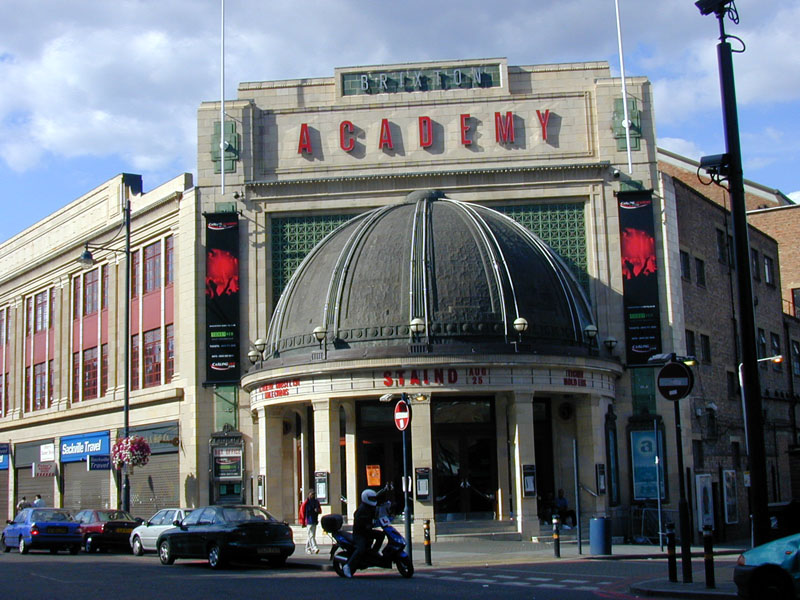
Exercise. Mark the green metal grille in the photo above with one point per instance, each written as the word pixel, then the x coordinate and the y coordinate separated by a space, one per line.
pixel 560 226
pixel 292 239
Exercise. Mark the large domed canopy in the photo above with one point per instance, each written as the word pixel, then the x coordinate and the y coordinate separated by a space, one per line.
pixel 429 275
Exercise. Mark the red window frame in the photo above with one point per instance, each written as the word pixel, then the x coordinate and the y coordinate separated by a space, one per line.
pixel 152 358
pixel 152 267
pixel 91 282
pixel 90 373
pixel 170 369
pixel 40 386
pixel 103 369
pixel 169 260
pixel 135 362
pixel 135 274
pixel 40 311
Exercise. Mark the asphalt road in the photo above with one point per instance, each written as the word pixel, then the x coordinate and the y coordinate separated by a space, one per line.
pixel 41 576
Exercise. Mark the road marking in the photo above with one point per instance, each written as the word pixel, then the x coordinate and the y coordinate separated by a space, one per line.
pixel 481 580
pixel 550 585
pixel 521 583
pixel 584 588
pixel 574 581
pixel 540 579
pixel 507 576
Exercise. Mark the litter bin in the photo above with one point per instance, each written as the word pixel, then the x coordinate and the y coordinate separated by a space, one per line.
pixel 600 535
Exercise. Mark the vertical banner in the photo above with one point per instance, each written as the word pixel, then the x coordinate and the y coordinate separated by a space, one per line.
pixel 643 461
pixel 639 276
pixel 222 297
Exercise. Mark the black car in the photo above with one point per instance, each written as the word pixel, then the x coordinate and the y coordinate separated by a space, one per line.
pixel 224 533
pixel 104 528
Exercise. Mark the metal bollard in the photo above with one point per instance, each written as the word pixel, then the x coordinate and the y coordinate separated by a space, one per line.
pixel 708 555
pixel 672 559
pixel 556 540
pixel 426 530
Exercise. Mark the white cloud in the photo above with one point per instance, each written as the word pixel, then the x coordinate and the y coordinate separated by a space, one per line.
pixel 685 148
pixel 795 196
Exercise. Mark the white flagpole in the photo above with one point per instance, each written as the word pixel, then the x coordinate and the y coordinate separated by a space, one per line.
pixel 626 123
pixel 222 103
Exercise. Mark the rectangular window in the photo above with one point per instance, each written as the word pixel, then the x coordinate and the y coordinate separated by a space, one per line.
pixel 90 373
pixel 686 269
pixel 40 386
pixel 705 348
pixel 697 452
pixel 90 292
pixel 152 267
pixel 169 260
pixel 51 310
pixel 28 316
pixel 733 385
pixel 796 302
pixel 3 338
pixel 762 344
pixel 135 362
pixel 769 271
pixel 755 264
pixel 76 297
pixel 134 274
pixel 103 369
pixel 700 272
pixel 731 253
pixel 27 389
pixel 170 371
pixel 775 340
pixel 736 450
pixel 722 247
pixel 2 395
pixel 40 312
pixel 796 358
pixel 104 287
pixel 691 344
pixel 51 378
pixel 76 377
pixel 152 358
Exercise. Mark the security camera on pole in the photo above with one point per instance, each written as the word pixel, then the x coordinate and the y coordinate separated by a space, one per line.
pixel 402 417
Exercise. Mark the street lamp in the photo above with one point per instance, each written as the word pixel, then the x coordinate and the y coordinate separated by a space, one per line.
pixel 777 359
pixel 86 259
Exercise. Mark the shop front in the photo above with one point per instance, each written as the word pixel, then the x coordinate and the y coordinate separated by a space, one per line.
pixel 4 460
pixel 156 485
pixel 36 471
pixel 86 470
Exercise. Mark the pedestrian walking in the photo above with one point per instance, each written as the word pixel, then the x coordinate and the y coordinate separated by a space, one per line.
pixel 309 517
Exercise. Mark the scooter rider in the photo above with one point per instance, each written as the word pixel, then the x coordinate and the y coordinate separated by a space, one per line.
pixel 363 533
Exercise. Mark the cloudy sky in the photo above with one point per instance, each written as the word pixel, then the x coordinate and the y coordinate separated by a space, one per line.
pixel 92 88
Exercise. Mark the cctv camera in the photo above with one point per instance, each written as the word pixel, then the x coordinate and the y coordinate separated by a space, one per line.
pixel 712 6
pixel 715 164
pixel 615 173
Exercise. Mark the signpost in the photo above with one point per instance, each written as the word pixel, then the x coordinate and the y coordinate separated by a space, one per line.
pixel 402 417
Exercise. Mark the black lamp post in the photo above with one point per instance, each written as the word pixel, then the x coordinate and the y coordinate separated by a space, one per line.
pixel 87 259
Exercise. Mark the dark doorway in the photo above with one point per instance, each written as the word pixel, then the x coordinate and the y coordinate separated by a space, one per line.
pixel 465 458
pixel 380 451
pixel 543 447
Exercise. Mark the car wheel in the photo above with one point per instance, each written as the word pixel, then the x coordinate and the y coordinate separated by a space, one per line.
pixel 89 545
pixel 137 546
pixel 277 561
pixel 165 553
pixel 74 549
pixel 23 546
pixel 405 567
pixel 215 559
pixel 6 547
pixel 773 585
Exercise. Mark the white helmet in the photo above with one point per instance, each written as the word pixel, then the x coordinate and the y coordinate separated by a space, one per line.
pixel 369 497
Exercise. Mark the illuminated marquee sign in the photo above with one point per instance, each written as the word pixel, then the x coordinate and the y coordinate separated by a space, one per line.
pixel 463 77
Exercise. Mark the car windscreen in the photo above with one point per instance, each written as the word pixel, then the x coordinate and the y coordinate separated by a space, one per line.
pixel 51 515
pixel 113 515
pixel 243 514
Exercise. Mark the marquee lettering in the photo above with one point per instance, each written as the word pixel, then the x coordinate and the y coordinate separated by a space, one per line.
pixel 425 132
pixel 385 140
pixel 464 129
pixel 504 128
pixel 347 140
pixel 543 119
pixel 304 147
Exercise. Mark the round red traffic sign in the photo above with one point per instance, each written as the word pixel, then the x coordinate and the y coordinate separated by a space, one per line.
pixel 402 416
pixel 675 381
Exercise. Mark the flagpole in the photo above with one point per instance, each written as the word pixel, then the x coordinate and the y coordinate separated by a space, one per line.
pixel 626 123
pixel 222 102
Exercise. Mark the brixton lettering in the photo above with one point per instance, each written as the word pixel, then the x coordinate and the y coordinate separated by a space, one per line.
pixel 575 377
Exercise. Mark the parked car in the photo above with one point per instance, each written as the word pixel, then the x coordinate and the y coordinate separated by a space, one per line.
pixel 224 533
pixel 106 528
pixel 144 537
pixel 33 528
pixel 770 571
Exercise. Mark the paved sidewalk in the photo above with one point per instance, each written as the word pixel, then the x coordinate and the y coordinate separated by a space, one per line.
pixel 486 552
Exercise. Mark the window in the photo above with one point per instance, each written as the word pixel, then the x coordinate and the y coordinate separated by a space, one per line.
pixel 28 316
pixel 103 369
pixel 104 288
pixel 170 331
pixel 796 357
pixel 769 271
pixel 76 377
pixel 736 450
pixel 691 344
pixel 40 386
pixel 796 302
pixel 733 385
pixel 169 260
pixel 135 362
pixel 51 310
pixel 775 340
pixel 40 312
pixel 3 337
pixel 90 373
pixel 90 290
pixel 152 267
pixel 722 247
pixel 51 378
pixel 762 343
pixel 705 348
pixel 686 269
pixel 76 297
pixel 26 392
pixel 3 395
pixel 700 271
pixel 697 452
pixel 755 264
pixel 134 274
pixel 152 358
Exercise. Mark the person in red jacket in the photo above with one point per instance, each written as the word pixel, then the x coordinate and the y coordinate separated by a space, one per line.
pixel 309 517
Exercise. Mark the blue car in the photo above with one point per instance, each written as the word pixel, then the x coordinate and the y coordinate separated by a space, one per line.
pixel 770 571
pixel 50 528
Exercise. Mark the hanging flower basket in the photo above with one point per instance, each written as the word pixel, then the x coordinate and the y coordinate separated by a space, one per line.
pixel 133 451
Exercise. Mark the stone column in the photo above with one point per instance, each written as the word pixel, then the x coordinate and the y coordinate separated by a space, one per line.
pixel 352 493
pixel 326 449
pixel 421 440
pixel 270 451
pixel 590 414
pixel 521 447
pixel 501 435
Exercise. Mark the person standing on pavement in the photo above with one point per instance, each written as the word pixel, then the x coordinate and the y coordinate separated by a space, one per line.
pixel 23 504
pixel 37 502
pixel 309 516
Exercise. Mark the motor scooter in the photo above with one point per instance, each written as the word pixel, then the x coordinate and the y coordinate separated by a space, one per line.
pixel 393 553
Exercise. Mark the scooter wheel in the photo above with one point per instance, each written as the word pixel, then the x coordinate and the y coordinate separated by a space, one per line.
pixel 339 561
pixel 404 566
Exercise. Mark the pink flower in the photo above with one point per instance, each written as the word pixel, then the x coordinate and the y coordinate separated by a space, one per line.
pixel 133 451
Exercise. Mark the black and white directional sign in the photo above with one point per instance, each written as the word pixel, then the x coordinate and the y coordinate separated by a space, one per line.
pixel 675 381
pixel 401 415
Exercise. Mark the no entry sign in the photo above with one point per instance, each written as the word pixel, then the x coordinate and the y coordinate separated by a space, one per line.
pixel 675 381
pixel 401 415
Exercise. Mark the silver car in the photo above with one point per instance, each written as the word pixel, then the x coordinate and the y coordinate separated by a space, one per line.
pixel 143 538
